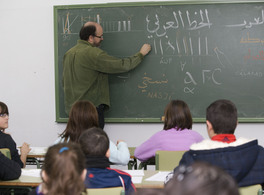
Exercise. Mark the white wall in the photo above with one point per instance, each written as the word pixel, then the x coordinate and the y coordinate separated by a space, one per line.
pixel 27 77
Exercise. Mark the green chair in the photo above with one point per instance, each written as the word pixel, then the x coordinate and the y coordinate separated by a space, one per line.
pixel 6 152
pixel 133 161
pixel 144 164
pixel 251 190
pixel 167 160
pixel 108 191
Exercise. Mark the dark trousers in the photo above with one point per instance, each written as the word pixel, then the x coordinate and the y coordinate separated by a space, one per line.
pixel 100 110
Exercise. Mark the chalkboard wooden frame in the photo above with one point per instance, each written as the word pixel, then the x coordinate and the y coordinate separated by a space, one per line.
pixel 136 119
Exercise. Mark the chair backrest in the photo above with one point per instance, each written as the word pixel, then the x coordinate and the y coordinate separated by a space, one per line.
pixel 167 160
pixel 6 152
pixel 108 191
pixel 251 190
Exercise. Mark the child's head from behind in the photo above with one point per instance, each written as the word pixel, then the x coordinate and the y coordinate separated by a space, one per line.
pixel 64 170
pixel 4 116
pixel 83 115
pixel 177 114
pixel 201 178
pixel 94 142
pixel 222 115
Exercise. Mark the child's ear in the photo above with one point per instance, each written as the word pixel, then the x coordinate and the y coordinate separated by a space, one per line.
pixel 210 130
pixel 84 174
pixel 44 176
pixel 107 154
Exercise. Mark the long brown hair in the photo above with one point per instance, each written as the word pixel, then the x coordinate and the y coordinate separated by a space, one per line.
pixel 64 164
pixel 177 115
pixel 83 115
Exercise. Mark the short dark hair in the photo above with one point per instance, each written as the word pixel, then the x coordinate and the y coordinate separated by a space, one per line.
pixel 222 114
pixel 87 31
pixel 94 142
pixel 177 114
pixel 201 178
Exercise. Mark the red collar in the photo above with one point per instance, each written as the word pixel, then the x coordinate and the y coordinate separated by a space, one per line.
pixel 226 138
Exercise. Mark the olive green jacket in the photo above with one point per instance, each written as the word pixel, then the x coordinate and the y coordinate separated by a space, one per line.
pixel 85 73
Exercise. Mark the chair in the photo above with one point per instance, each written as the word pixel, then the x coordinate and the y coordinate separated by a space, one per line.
pixel 251 190
pixel 144 164
pixel 133 161
pixel 6 152
pixel 168 160
pixel 108 191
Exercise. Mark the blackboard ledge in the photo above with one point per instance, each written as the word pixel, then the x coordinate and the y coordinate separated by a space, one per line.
pixel 158 120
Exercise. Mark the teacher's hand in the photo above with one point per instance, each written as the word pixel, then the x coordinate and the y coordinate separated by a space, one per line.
pixel 145 49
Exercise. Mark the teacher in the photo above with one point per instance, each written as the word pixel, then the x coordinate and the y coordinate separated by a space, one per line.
pixel 86 68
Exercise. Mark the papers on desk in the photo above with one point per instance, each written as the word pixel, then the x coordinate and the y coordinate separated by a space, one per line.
pixel 137 175
pixel 31 172
pixel 160 176
pixel 38 150
pixel 135 172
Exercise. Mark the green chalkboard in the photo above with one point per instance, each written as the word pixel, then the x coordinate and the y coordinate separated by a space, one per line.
pixel 201 51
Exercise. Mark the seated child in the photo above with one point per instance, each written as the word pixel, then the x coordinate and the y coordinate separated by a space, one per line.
pixel 241 157
pixel 95 145
pixel 83 115
pixel 201 178
pixel 6 141
pixel 177 133
pixel 63 171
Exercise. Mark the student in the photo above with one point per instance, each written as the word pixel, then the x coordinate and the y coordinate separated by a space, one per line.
pixel 201 179
pixel 176 134
pixel 95 145
pixel 86 68
pixel 63 171
pixel 242 158
pixel 83 115
pixel 6 140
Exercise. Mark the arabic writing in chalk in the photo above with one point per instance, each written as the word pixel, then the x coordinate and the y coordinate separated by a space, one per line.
pixel 249 39
pixel 149 81
pixel 198 20
pixel 158 27
pixel 180 46
pixel 153 93
pixel 246 24
pixel 259 56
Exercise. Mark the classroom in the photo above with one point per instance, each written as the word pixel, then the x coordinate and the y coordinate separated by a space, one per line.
pixel 31 95
pixel 28 75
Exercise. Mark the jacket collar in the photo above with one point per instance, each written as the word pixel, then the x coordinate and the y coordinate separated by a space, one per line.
pixel 210 144
pixel 97 162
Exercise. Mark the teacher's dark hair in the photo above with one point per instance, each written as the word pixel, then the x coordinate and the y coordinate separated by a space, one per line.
pixel 87 31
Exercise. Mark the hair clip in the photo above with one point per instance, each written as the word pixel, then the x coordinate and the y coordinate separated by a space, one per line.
pixel 63 149
pixel 183 170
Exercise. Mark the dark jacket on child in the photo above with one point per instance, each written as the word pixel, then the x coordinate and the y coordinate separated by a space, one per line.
pixel 243 159
pixel 99 175
pixel 6 141
pixel 9 169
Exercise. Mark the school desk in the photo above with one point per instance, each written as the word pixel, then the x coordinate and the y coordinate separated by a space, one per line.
pixel 36 156
pixel 32 178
